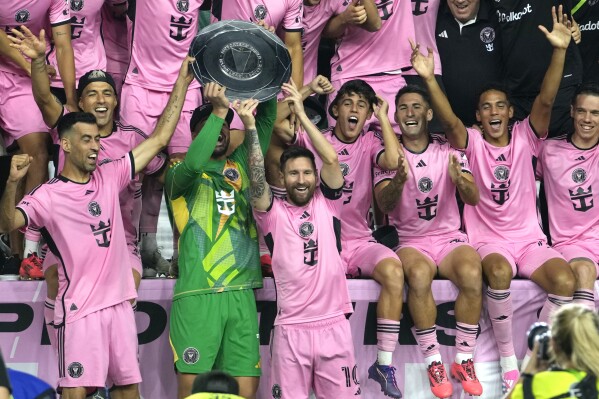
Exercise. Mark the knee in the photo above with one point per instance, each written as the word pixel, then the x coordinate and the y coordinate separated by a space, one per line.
pixel 561 279
pixel 469 277
pixel 498 274
pixel 585 272
pixel 420 279
pixel 389 274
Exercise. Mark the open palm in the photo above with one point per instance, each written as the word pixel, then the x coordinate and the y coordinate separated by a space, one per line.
pixel 561 34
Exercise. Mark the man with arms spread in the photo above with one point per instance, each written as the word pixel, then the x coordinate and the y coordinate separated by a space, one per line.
pixel 420 199
pixel 568 168
pixel 504 227
pixel 312 345
pixel 79 214
pixel 358 152
pixel 219 262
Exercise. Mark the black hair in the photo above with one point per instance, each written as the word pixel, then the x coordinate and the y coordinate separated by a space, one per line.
pixel 65 125
pixel 416 90
pixel 355 86
pixel 494 86
pixel 215 382
pixel 293 152
pixel 590 88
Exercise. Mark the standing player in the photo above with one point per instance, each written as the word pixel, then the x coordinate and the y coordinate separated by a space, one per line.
pixel 19 119
pixel 219 262
pixel 420 199
pixel 116 45
pixel 312 345
pixel 79 213
pixel 567 166
pixel 504 227
pixel 358 152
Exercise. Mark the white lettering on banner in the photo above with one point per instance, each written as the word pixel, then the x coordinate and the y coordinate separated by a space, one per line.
pixel 590 26
pixel 513 16
pixel 23 333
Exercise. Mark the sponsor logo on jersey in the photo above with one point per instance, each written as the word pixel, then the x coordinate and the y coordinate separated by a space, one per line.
pixel 75 370
pixel 514 16
pixel 191 355
pixel 94 209
pixel 590 25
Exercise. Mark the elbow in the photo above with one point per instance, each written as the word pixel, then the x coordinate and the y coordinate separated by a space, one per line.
pixel 472 199
pixel 374 26
pixel 330 159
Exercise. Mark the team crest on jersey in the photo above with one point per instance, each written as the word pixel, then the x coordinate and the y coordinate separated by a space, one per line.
pixel 276 391
pixel 501 173
pixel 75 370
pixel 487 35
pixel 425 185
pixel 306 229
pixel 94 209
pixel 183 5
pixel 231 173
pixel 76 5
pixel 191 355
pixel 344 169
pixel 579 175
pixel 22 16
pixel 260 12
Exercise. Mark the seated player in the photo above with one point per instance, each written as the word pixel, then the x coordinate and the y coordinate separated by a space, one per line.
pixel 420 200
pixel 312 344
pixel 504 226
pixel 567 165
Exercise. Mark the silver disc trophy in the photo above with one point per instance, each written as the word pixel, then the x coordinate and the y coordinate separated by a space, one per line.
pixel 248 60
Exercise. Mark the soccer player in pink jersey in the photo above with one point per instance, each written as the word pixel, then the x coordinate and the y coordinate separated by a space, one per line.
pixel 504 227
pixel 312 344
pixel 378 57
pixel 358 152
pixel 79 213
pixel 26 128
pixel 420 199
pixel 567 165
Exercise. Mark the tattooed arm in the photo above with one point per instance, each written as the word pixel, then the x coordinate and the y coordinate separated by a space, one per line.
pixel 260 195
pixel 388 192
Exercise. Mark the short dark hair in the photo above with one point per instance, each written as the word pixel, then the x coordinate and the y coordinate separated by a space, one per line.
pixel 293 152
pixel 590 88
pixel 416 90
pixel 215 382
pixel 65 125
pixel 494 86
pixel 355 86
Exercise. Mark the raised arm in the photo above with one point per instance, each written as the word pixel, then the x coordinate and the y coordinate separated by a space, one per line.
pixel 12 54
pixel 362 13
pixel 464 182
pixel 559 37
pixel 388 160
pixel 66 63
pixel 452 125
pixel 293 41
pixel 35 48
pixel 387 193
pixel 10 218
pixel 331 171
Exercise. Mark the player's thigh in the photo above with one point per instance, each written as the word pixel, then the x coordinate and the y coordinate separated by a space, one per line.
pixel 498 262
pixel 362 256
pixel 123 368
pixel 291 362
pixel 462 265
pixel 582 259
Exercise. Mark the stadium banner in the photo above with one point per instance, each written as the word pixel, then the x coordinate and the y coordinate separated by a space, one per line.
pixel 25 345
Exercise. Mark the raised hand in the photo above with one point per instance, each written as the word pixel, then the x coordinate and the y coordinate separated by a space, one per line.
pixel 19 165
pixel 381 108
pixel 402 167
pixel 263 24
pixel 293 97
pixel 245 109
pixel 215 94
pixel 455 169
pixel 355 13
pixel 423 65
pixel 27 43
pixel 561 34
pixel 321 85
pixel 185 72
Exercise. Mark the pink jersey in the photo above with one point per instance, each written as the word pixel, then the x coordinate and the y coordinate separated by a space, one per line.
pixel 425 23
pixel 282 14
pixel 162 34
pixel 361 53
pixel 305 243
pixel 569 174
pixel 114 33
pixel 314 20
pixel 428 205
pixel 507 210
pixel 357 160
pixel 35 15
pixel 83 227
pixel 86 39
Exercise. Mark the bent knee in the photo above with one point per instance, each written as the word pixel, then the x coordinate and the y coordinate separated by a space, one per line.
pixel 584 271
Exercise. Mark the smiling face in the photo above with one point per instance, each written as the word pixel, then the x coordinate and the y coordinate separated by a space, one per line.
pixel 351 111
pixel 299 176
pixel 81 145
pixel 99 99
pixel 413 114
pixel 463 10
pixel 585 113
pixel 494 113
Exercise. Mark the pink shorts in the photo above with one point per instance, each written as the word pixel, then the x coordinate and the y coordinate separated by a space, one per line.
pixel 362 256
pixel 436 247
pixel 19 114
pixel 99 347
pixel 317 355
pixel 386 86
pixel 582 249
pixel 524 257
pixel 142 108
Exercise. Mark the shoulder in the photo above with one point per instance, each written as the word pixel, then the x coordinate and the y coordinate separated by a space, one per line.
pixel 130 129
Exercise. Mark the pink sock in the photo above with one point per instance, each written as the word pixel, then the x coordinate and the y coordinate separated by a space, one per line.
pixel 387 333
pixel 465 340
pixel 552 303
pixel 150 210
pixel 585 298
pixel 49 320
pixel 499 305
pixel 427 341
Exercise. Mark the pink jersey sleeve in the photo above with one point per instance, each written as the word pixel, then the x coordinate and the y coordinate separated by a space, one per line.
pixel 36 206
pixel 59 12
pixel 122 170
pixel 293 15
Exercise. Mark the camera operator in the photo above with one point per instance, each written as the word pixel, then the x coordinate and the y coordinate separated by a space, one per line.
pixel 570 367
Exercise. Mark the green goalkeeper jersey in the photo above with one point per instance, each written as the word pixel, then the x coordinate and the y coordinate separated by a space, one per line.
pixel 218 247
